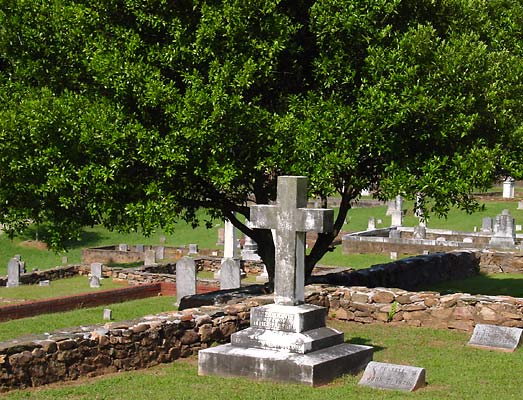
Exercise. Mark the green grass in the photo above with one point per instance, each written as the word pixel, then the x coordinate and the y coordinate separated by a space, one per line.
pixel 454 371
pixel 493 284
pixel 85 316
pixel 60 287
pixel 356 261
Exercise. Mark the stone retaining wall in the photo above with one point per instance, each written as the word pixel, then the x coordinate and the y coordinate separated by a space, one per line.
pixel 32 278
pixel 430 309
pixel 96 350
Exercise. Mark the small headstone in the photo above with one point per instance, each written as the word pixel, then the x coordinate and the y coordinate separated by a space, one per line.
pixel 214 253
pixel 495 337
pixel 139 248
pixel 21 265
pixel 123 247
pixel 150 257
pixel 46 282
pixel 162 240
pixel 264 276
pixel 393 255
pixel 468 240
pixel 94 281
pixel 508 188
pixel 420 232
pixel 96 270
pixel 160 252
pixel 230 275
pixel 426 252
pixel 371 225
pixel 520 205
pixel 504 231
pixel 518 228
pixel 394 234
pixel 108 314
pixel 230 248
pixel 185 278
pixel 13 273
pixel 396 218
pixel 65 260
pixel 487 225
pixel 379 221
pixel 475 229
pixel 193 248
pixel 393 376
pixel 221 237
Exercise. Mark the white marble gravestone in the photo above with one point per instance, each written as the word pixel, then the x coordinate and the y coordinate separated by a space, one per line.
pixel 393 376
pixel 230 274
pixel 149 257
pixel 508 188
pixel 185 278
pixel 13 273
pixel 504 231
pixel 495 337
pixel 287 340
pixel 96 275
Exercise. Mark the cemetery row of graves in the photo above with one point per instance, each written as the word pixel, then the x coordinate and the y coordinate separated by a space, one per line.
pixel 313 353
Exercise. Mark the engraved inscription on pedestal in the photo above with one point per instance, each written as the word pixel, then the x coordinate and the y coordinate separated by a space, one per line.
pixel 393 376
pixel 495 337
pixel 288 318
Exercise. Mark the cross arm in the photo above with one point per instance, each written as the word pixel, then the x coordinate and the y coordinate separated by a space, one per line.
pixel 316 219
pixel 264 216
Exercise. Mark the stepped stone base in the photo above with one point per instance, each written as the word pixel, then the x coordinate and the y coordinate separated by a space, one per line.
pixel 315 368
pixel 286 343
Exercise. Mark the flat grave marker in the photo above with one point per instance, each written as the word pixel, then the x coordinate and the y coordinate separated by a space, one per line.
pixel 494 337
pixel 393 376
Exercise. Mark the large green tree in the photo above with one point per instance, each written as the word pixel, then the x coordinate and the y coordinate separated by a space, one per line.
pixel 134 113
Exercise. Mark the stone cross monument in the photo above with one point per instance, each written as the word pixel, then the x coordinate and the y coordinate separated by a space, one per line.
pixel 287 340
pixel 291 219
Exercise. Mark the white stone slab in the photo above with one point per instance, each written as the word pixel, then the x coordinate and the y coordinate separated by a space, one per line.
pixel 230 274
pixel 393 376
pixel 495 337
pixel 288 318
pixel 185 278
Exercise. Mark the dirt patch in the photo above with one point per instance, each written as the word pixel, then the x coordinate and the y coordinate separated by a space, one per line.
pixel 35 244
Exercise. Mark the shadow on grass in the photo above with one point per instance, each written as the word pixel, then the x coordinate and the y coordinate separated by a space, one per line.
pixel 365 342
pixel 492 285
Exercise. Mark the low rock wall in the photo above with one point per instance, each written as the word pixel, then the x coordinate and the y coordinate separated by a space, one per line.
pixel 32 278
pixel 430 309
pixel 117 346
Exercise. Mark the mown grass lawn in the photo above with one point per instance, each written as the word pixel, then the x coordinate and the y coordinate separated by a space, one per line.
pixel 454 371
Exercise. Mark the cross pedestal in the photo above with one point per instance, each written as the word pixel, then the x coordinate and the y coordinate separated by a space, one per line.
pixel 287 340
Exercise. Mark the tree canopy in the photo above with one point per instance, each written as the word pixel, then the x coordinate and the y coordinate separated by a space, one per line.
pixel 134 113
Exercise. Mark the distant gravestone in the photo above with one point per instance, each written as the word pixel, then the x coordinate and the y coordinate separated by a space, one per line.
pixel 13 273
pixel 46 282
pixel 393 255
pixel 393 376
pixel 371 224
pixel 394 234
pixel 487 225
pixel 108 314
pixel 221 237
pixel 123 247
pixel 250 247
pixel 230 244
pixel 504 231
pixel 495 337
pixel 94 282
pixel 520 205
pixel 160 252
pixel 139 248
pixel 65 260
pixel 185 278
pixel 468 240
pixel 162 240
pixel 264 276
pixel 21 265
pixel 96 269
pixel 230 274
pixel 508 188
pixel 150 257
pixel 420 232
pixel 193 248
